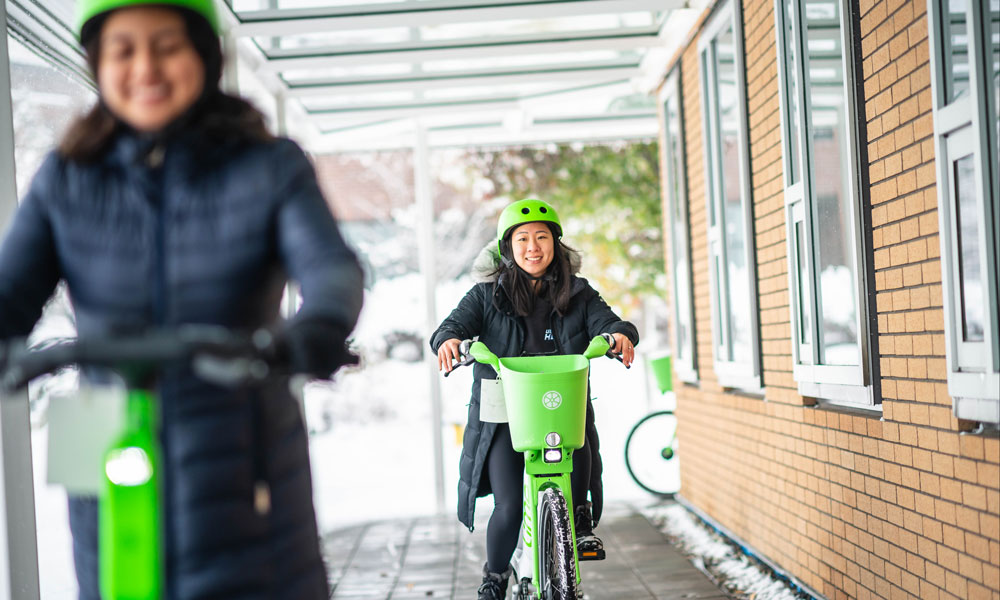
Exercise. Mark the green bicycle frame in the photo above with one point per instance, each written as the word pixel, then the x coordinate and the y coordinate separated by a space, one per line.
pixel 130 530
pixel 546 398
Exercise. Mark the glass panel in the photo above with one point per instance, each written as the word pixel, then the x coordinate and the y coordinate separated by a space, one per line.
pixel 708 100
pixel 993 55
pixel 717 273
pixel 682 292
pixel 969 261
pixel 674 155
pixel 464 30
pixel 734 234
pixel 956 49
pixel 791 96
pixel 678 235
pixel 831 189
pixel 44 102
pixel 802 275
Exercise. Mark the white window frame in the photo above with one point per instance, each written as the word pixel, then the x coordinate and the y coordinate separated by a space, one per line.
pixel 675 178
pixel 838 384
pixel 731 374
pixel 962 125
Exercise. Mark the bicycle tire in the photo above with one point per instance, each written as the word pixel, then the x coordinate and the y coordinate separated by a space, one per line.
pixel 557 573
pixel 651 461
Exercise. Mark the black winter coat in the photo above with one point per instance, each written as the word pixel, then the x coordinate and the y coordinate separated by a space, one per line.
pixel 208 235
pixel 486 311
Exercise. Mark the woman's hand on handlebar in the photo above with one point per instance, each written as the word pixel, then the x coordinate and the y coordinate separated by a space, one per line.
pixel 624 347
pixel 448 352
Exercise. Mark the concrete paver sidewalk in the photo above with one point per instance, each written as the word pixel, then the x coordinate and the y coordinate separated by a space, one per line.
pixel 436 557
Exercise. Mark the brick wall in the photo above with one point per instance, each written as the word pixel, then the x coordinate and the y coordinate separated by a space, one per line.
pixel 907 506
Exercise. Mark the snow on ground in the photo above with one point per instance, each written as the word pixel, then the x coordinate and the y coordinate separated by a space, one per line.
pixel 742 576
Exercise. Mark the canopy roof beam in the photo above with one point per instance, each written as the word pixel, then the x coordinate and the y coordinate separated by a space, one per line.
pixel 577 73
pixel 277 22
pixel 517 45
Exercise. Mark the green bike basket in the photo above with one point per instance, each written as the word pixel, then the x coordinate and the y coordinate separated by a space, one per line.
pixel 662 372
pixel 545 394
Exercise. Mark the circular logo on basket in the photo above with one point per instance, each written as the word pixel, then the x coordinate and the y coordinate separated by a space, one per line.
pixel 551 400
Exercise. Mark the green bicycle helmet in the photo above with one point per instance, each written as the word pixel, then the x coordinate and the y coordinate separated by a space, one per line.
pixel 528 210
pixel 86 10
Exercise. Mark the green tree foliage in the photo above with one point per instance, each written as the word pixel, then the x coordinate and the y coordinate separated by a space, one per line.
pixel 608 197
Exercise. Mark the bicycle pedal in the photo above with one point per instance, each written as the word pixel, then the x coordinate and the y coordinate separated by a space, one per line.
pixel 591 554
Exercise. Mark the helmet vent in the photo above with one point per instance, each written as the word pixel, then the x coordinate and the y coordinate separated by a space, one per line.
pixel 542 210
pixel 525 210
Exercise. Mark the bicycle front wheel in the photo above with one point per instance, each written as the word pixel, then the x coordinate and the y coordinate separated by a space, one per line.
pixel 557 573
pixel 651 454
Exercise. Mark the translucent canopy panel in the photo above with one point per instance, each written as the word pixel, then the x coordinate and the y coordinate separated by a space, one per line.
pixel 381 65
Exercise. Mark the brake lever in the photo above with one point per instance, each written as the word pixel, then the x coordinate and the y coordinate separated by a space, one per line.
pixel 463 351
pixel 611 344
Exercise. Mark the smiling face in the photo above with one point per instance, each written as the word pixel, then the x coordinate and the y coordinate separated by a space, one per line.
pixel 148 71
pixel 533 246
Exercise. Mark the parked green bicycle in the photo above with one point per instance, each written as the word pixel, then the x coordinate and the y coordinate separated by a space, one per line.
pixel 546 408
pixel 651 445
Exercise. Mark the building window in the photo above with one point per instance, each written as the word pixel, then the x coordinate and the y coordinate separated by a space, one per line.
pixel 965 61
pixel 736 339
pixel 827 273
pixel 675 189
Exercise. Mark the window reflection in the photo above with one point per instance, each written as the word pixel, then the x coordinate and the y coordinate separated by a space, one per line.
pixel 805 305
pixel 831 189
pixel 993 54
pixel 969 261
pixel 737 278
pixel 678 237
pixel 956 48
pixel 792 96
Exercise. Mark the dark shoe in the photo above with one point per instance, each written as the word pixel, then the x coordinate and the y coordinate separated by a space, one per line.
pixel 588 545
pixel 494 585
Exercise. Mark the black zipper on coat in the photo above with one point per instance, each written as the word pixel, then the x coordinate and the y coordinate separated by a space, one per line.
pixel 154 160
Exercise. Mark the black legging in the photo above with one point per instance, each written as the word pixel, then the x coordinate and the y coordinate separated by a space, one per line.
pixel 505 468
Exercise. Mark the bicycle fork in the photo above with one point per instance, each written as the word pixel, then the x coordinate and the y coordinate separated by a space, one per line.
pixel 540 475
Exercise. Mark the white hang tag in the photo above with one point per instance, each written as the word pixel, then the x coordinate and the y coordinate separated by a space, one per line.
pixel 82 427
pixel 492 406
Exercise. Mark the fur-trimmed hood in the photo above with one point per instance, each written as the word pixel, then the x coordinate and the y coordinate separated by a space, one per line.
pixel 485 266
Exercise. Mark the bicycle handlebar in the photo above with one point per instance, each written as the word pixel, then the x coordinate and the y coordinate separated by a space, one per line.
pixel 467 359
pixel 216 354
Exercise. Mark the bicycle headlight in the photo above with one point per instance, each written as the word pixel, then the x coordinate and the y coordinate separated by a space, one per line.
pixel 128 466
pixel 552 455
pixel 553 439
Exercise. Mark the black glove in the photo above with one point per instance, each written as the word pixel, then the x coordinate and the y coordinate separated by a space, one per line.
pixel 314 346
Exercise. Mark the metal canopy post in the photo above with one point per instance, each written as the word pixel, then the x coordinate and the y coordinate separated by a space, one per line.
pixel 18 545
pixel 425 243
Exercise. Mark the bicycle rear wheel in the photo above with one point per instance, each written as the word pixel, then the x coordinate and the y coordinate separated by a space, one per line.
pixel 651 454
pixel 557 575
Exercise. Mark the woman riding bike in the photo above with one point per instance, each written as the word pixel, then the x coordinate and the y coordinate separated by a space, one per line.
pixel 530 302
pixel 168 204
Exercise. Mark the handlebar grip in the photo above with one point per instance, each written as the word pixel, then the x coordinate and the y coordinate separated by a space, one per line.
pixel 465 358
pixel 610 354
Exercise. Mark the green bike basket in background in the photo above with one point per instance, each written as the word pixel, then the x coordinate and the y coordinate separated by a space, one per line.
pixel 662 372
pixel 545 394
